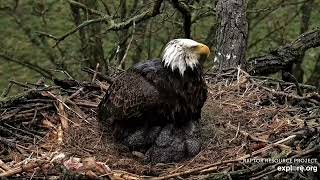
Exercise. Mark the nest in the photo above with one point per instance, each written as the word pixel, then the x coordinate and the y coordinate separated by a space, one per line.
pixel 250 127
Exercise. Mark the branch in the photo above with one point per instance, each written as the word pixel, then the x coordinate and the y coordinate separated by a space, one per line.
pixel 85 8
pixel 186 14
pixel 203 15
pixel 155 10
pixel 22 168
pixel 99 75
pixel 82 25
pixel 286 23
pixel 128 47
pixel 283 56
pixel 46 35
pixel 29 65
pixel 39 43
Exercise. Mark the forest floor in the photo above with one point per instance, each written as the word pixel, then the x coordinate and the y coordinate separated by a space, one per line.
pixel 249 124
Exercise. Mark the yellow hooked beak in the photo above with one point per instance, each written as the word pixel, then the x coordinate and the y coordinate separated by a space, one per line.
pixel 202 50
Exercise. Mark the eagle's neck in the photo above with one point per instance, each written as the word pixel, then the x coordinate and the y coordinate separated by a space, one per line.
pixel 195 71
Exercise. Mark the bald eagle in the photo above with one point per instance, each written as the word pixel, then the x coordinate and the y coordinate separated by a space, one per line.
pixel 154 106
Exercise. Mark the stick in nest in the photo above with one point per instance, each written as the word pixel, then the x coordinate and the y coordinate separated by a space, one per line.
pixel 22 168
pixel 95 73
pixel 4 166
pixel 255 138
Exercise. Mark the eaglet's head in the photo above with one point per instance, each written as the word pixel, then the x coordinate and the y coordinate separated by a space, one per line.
pixel 183 53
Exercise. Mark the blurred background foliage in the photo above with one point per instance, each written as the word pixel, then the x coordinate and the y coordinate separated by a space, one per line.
pixel 28 29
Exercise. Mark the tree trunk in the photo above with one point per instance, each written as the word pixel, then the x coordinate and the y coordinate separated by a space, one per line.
pixel 231 33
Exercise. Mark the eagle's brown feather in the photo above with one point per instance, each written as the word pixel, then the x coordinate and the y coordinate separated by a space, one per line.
pixel 149 101
pixel 154 107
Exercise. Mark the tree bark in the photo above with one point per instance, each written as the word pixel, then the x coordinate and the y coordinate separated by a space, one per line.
pixel 231 34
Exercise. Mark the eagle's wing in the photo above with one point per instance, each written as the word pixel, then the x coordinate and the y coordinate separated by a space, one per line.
pixel 128 97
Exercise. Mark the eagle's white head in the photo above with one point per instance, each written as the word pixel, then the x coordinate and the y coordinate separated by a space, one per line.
pixel 182 53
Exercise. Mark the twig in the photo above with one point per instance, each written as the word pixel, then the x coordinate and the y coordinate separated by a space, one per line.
pixel 46 35
pixel 4 166
pixel 24 131
pixel 99 75
pixel 64 72
pixel 8 142
pixel 27 64
pixel 22 113
pixel 2 128
pixel 76 93
pixel 296 83
pixel 34 117
pixel 87 104
pixel 20 84
pixel 117 174
pixel 82 25
pixel 312 117
pixel 22 168
pixel 127 50
pixel 280 93
pixel 117 69
pixel 6 90
pixel 255 138
pixel 155 10
pixel 273 167
pixel 238 129
pixel 84 7
pixel 63 115
pixel 64 104
pixel 276 81
pixel 95 73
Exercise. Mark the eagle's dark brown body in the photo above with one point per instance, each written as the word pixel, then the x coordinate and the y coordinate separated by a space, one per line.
pixel 154 110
